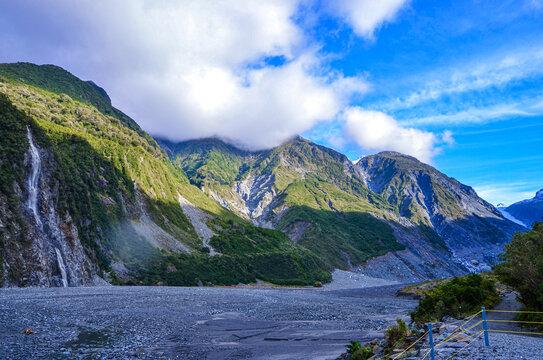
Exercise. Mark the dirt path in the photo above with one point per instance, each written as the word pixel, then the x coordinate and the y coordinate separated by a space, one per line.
pixel 508 303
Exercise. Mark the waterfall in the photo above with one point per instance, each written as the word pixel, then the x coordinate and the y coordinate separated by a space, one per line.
pixel 33 185
pixel 62 268
pixel 34 178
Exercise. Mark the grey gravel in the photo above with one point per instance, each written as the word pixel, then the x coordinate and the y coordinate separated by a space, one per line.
pixel 192 323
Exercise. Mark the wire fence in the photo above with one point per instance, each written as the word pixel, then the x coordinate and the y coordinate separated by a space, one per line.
pixel 460 334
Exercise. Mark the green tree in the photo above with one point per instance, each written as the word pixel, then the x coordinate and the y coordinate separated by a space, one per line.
pixel 523 269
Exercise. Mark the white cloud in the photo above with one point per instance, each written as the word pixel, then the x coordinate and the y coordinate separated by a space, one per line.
pixel 366 16
pixel 481 115
pixel 471 115
pixel 375 131
pixel 447 137
pixel 508 193
pixel 493 72
pixel 187 69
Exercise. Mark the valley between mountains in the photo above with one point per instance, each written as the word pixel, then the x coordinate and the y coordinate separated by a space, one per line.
pixel 88 198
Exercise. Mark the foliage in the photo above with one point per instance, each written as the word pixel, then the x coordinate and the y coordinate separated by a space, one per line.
pixel 277 268
pixel 396 335
pixel 353 346
pixel 12 152
pixel 468 293
pixel 362 354
pixel 13 145
pixel 523 268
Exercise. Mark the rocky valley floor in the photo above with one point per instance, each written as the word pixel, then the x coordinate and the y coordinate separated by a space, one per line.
pixel 192 323
pixel 213 323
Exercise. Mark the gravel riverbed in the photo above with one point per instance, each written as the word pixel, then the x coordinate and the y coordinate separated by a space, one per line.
pixel 192 323
pixel 216 323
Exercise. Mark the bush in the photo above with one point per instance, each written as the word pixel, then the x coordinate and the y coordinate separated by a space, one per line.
pixel 395 336
pixel 353 347
pixel 523 270
pixel 362 354
pixel 468 293
pixel 358 352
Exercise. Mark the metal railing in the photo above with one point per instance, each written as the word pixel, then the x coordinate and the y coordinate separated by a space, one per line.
pixel 463 329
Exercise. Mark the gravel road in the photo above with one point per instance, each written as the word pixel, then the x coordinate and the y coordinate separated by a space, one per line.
pixel 192 323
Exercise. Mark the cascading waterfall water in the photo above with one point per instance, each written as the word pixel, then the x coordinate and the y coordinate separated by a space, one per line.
pixel 62 268
pixel 34 178
pixel 33 185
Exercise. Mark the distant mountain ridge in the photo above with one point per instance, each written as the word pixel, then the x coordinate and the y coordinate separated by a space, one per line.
pixel 424 223
pixel 526 211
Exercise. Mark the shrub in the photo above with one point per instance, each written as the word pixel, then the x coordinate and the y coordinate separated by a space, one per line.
pixel 358 352
pixel 395 336
pixel 353 347
pixel 362 354
pixel 469 293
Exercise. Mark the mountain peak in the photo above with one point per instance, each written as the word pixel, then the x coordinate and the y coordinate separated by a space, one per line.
pixel 395 154
pixel 539 194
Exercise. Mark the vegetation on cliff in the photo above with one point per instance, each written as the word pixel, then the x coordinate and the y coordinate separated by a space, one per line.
pixel 108 177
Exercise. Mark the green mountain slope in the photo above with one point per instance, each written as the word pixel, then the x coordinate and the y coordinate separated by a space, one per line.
pixel 110 202
pixel 303 189
pixel 428 224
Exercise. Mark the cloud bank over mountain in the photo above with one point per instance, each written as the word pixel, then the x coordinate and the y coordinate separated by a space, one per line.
pixel 244 71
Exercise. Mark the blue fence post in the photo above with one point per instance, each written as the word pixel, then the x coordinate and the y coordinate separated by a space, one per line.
pixel 431 336
pixel 485 328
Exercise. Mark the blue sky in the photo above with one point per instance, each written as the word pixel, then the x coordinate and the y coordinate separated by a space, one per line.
pixel 458 84
pixel 474 68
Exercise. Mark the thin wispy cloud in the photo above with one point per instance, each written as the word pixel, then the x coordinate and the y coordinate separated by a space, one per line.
pixel 474 115
pixel 509 128
pixel 507 193
pixel 473 76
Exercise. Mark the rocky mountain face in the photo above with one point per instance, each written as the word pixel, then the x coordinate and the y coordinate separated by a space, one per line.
pixel 472 230
pixel 86 196
pixel 389 213
pixel 526 212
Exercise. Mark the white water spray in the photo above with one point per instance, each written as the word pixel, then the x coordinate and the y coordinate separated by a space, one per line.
pixel 62 268
pixel 34 178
